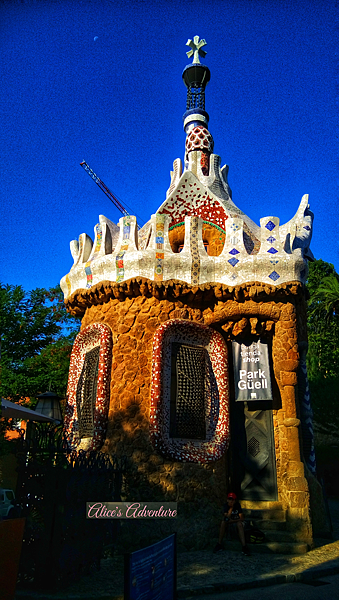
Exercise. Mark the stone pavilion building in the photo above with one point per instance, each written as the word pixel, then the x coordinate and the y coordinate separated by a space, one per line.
pixel 191 356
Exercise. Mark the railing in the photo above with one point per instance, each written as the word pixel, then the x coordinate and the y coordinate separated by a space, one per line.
pixel 59 543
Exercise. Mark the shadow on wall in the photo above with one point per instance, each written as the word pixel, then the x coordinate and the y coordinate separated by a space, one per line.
pixel 199 489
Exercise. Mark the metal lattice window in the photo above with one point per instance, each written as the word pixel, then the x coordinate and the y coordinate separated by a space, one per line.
pixel 87 392
pixel 253 446
pixel 187 414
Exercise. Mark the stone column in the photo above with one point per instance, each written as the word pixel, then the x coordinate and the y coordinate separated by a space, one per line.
pixel 294 487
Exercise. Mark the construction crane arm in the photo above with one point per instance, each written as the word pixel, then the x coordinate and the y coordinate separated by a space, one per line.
pixel 104 188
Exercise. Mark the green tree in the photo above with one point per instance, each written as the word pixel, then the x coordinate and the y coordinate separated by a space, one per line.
pixel 323 338
pixel 37 335
pixel 328 294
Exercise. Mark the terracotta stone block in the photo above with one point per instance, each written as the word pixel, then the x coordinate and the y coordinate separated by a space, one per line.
pixel 126 398
pixel 277 344
pixel 279 354
pixel 289 407
pixel 294 451
pixel 287 311
pixel 138 332
pixel 129 319
pixel 174 314
pixel 292 433
pixel 142 318
pixel 298 484
pixel 291 422
pixel 139 381
pixel 269 325
pixel 296 469
pixel 148 304
pixel 269 310
pixel 143 360
pixel 284 445
pixel 298 499
pixel 118 373
pixel 163 317
pixel 123 328
pixel 288 378
pixel 284 457
pixel 126 349
pixel 288 324
pixel 125 341
pixel 232 308
pixel 249 307
pixel 254 325
pixel 155 311
pixel 287 347
pixel 296 514
pixel 293 355
pixel 289 392
pixel 239 326
pixel 152 324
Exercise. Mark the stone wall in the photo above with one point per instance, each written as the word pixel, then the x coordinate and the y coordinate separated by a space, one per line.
pixel 134 310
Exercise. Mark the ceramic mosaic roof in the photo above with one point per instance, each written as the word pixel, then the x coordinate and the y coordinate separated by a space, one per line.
pixel 199 193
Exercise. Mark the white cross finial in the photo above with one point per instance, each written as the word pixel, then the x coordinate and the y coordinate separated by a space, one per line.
pixel 196 50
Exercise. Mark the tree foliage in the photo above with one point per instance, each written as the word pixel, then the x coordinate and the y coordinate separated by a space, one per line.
pixel 37 335
pixel 323 338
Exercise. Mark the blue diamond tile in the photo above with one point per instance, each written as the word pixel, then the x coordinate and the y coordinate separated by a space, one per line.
pixel 274 276
pixel 274 262
pixel 234 251
pixel 271 239
pixel 233 261
pixel 270 225
pixel 272 251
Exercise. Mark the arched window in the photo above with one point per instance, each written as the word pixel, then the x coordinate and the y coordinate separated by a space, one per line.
pixel 189 417
pixel 187 404
pixel 88 388
pixel 86 393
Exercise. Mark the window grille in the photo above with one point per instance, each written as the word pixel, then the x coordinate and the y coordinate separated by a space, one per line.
pixel 187 413
pixel 87 392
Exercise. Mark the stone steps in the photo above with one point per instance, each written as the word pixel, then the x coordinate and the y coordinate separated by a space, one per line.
pixel 272 521
pixel 270 547
pixel 270 525
pixel 274 514
pixel 280 536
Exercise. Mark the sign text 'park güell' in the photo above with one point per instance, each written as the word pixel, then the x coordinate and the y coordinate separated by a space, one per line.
pixel 251 371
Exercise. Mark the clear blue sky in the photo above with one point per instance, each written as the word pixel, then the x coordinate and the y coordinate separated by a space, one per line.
pixel 117 102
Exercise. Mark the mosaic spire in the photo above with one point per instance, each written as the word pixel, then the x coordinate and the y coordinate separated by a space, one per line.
pixel 196 76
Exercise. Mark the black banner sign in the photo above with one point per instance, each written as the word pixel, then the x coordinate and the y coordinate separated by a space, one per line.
pixel 251 371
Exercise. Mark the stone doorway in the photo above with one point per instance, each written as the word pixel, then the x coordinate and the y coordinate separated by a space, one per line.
pixel 253 470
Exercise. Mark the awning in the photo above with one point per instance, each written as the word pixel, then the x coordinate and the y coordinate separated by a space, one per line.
pixel 10 410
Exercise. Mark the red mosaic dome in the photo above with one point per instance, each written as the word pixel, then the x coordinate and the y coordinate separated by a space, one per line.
pixel 199 139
